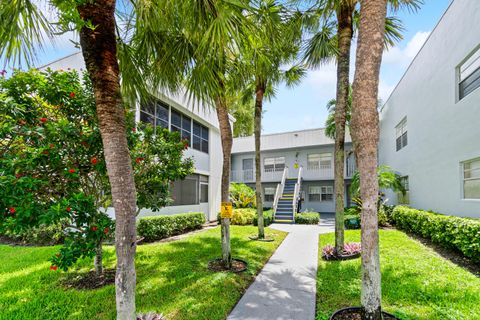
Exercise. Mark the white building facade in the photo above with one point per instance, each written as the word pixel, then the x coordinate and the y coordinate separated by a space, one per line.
pixel 430 125
pixel 199 192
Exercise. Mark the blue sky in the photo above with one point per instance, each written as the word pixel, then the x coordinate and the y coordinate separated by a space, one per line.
pixel 303 107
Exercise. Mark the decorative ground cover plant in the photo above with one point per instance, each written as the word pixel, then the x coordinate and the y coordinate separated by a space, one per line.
pixel 351 250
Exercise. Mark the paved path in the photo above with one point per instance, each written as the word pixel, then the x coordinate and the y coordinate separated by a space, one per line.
pixel 285 289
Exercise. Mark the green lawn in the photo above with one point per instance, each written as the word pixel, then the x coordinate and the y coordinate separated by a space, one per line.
pixel 171 279
pixel 416 282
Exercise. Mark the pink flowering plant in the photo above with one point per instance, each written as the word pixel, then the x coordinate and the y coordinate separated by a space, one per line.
pixel 352 248
pixel 349 249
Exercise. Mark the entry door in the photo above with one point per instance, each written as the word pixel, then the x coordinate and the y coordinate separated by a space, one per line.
pixel 247 169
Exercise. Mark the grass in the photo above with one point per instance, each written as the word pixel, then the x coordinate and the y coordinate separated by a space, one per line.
pixel 172 279
pixel 416 282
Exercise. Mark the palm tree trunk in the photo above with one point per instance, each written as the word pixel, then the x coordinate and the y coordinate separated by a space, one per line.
pixel 365 133
pixel 99 51
pixel 345 34
pixel 227 141
pixel 260 90
pixel 98 260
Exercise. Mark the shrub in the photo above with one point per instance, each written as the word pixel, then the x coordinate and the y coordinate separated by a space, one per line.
pixel 352 211
pixel 161 227
pixel 44 234
pixel 382 217
pixel 267 218
pixel 458 233
pixel 307 217
pixel 242 196
pixel 241 217
pixel 351 222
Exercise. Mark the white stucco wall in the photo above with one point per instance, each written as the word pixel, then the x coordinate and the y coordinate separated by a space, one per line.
pixel 442 132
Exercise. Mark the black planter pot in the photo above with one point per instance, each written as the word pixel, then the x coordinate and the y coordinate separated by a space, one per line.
pixel 386 315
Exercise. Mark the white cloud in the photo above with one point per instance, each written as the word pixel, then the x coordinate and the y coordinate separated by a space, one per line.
pixel 384 90
pixel 403 56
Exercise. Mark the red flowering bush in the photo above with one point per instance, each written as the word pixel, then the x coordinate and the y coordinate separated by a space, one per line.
pixel 52 166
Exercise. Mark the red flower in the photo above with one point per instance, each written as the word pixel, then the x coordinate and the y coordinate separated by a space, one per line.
pixel 134 129
pixel 94 161
pixel 94 228
pixel 18 175
pixel 54 268
pixel 51 145
pixel 12 210
pixel 69 209
pixel 43 120
pixel 45 152
pixel 139 159
pixel 71 170
pixel 185 144
pixel 106 230
pixel 72 94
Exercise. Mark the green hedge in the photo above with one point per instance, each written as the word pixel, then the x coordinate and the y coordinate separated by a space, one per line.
pixel 458 233
pixel 307 218
pixel 267 218
pixel 160 227
pixel 241 217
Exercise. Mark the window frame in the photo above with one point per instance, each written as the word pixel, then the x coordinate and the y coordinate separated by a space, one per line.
pixel 475 178
pixel 401 134
pixel 314 193
pixel 325 192
pixel 472 76
pixel 202 137
pixel 265 194
pixel 277 166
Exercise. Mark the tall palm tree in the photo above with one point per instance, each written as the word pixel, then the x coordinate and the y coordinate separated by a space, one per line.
pixel 332 40
pixel 365 131
pixel 274 44
pixel 22 30
pixel 330 122
pixel 198 42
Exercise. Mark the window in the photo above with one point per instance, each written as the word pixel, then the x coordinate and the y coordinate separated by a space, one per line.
pixel 469 75
pixel 203 189
pixel 327 193
pixel 155 113
pixel 274 164
pixel 314 193
pixel 317 161
pixel 404 198
pixel 183 124
pixel 185 192
pixel 471 179
pixel 200 137
pixel 401 134
pixel 269 194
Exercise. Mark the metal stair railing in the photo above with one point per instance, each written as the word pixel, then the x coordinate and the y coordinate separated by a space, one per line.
pixel 279 191
pixel 296 193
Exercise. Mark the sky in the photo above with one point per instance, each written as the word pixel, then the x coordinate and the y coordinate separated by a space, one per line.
pixel 303 107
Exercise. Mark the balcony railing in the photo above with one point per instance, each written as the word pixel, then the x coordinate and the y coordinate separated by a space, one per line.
pixel 317 171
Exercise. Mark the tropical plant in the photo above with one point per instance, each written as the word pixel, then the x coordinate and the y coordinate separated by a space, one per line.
pixel 274 44
pixel 364 129
pixel 333 24
pixel 50 137
pixel 386 177
pixel 242 196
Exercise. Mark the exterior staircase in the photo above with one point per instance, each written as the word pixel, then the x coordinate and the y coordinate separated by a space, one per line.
pixel 284 212
pixel 286 198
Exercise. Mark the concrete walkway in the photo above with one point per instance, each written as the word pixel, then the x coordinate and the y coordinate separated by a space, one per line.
pixel 285 289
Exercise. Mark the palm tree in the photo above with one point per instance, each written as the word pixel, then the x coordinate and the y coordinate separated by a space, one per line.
pixel 333 40
pixel 22 29
pixel 196 43
pixel 365 132
pixel 330 122
pixel 274 43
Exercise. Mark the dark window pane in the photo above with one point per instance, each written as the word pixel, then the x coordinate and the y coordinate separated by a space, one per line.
pixel 146 118
pixel 204 133
pixel 176 119
pixel 162 123
pixel 186 123
pixel 470 83
pixel 175 129
pixel 205 146
pixel 269 197
pixel 404 140
pixel 204 192
pixel 399 143
pixel 197 129
pixel 150 108
pixel 162 112
pixel 196 143
pixel 185 192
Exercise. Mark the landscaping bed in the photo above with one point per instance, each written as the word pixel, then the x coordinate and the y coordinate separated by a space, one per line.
pixel 172 279
pixel 417 283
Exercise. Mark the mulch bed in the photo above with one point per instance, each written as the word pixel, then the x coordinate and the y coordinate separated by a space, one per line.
pixel 266 239
pixel 354 313
pixel 218 266
pixel 452 255
pixel 89 280
pixel 343 257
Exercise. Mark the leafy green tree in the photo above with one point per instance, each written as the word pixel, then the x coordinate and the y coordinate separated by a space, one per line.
pixel 53 168
pixel 264 53
pixel 333 24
